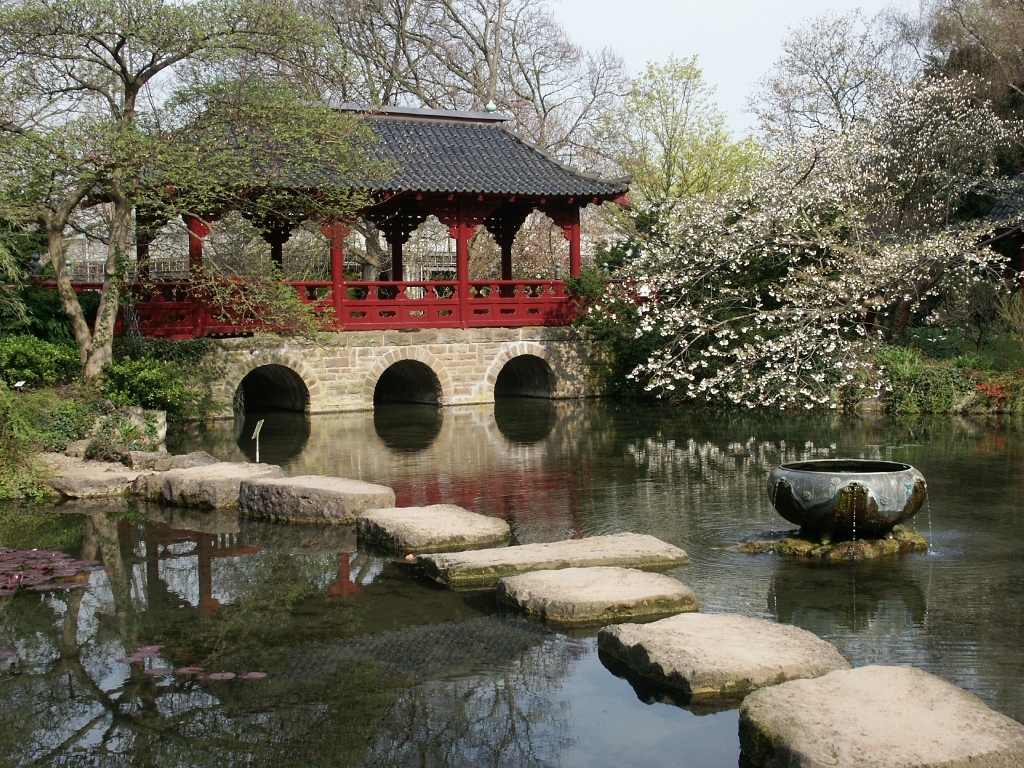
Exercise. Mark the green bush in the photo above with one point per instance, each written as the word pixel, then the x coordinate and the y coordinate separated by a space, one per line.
pixel 151 383
pixel 44 317
pixel 47 420
pixel 38 363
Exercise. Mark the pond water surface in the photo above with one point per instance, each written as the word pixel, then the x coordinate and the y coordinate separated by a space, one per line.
pixel 368 663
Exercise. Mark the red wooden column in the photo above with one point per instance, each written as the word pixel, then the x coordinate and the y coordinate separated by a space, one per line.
pixel 573 235
pixel 462 262
pixel 197 230
pixel 335 234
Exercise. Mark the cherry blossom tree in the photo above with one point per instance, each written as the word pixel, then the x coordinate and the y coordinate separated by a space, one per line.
pixel 774 295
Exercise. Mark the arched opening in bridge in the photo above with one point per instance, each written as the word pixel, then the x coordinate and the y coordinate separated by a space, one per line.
pixel 408 381
pixel 525 376
pixel 272 388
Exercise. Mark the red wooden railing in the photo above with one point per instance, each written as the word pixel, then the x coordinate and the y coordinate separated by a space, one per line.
pixel 171 310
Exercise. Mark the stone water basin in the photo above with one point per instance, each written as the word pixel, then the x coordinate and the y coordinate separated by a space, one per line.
pixel 839 499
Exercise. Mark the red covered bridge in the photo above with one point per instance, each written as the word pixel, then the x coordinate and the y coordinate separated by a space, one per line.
pixel 466 169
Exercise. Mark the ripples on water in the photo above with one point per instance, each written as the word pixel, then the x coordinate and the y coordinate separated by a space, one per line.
pixel 370 665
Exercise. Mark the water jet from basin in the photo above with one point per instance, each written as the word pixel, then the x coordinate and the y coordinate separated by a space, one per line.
pixel 843 499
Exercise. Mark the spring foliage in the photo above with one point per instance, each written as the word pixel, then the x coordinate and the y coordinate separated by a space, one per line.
pixel 774 295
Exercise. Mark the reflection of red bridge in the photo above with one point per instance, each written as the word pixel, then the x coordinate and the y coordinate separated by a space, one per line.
pixel 159 537
pixel 511 493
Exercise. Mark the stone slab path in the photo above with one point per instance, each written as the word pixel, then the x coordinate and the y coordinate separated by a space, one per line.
pixel 482 569
pixel 598 595
pixel 311 498
pixel 215 486
pixel 718 655
pixel 877 717
pixel 77 478
pixel 437 528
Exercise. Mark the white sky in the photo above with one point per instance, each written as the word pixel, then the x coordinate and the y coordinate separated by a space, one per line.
pixel 736 41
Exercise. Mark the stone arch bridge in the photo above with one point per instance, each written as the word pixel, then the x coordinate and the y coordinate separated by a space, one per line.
pixel 354 371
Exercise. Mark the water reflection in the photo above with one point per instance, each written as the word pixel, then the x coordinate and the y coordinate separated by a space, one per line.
pixel 649 692
pixel 371 664
pixel 283 437
pixel 830 599
pixel 366 663
pixel 407 427
pixel 525 420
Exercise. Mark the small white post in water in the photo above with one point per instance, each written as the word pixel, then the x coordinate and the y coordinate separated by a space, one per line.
pixel 256 437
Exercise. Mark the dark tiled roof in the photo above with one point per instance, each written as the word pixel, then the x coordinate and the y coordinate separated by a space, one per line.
pixel 450 152
pixel 1010 205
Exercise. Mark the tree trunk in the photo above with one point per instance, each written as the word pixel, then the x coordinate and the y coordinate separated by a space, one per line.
pixel 901 312
pixel 68 297
pixel 114 274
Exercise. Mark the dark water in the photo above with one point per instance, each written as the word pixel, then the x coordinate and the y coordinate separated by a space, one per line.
pixel 368 664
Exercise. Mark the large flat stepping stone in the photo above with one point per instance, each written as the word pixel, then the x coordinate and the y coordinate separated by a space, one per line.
pixel 437 528
pixel 598 595
pixel 877 717
pixel 77 478
pixel 312 499
pixel 717 655
pixel 482 569
pixel 211 487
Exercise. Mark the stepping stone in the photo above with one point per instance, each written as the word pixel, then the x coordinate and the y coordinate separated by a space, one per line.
pixel 717 655
pixel 482 569
pixel 876 717
pixel 312 499
pixel 437 528
pixel 211 487
pixel 77 478
pixel 599 595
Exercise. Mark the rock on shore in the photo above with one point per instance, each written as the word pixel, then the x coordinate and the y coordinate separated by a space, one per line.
pixel 77 478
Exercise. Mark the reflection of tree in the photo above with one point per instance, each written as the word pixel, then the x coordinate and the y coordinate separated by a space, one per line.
pixel 463 691
pixel 506 717
pixel 73 695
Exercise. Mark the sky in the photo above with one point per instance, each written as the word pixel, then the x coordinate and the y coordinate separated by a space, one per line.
pixel 736 41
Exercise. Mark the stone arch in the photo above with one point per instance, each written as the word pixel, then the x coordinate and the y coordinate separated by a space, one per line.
pixel 534 371
pixel 285 372
pixel 409 357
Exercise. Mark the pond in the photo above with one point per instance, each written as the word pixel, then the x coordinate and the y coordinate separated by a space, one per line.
pixel 368 663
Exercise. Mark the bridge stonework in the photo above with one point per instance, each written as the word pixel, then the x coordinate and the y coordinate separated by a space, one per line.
pixel 341 370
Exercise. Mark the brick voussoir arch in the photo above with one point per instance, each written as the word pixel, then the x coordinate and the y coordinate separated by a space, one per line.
pixel 517 349
pixel 397 355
